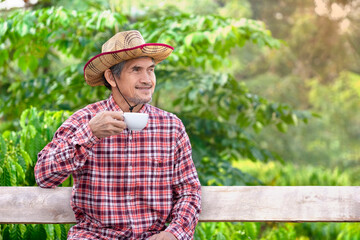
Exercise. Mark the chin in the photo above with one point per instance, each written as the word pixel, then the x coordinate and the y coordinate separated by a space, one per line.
pixel 146 98
pixel 141 100
pixel 148 101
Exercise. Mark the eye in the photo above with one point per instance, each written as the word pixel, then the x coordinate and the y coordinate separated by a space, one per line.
pixel 136 69
pixel 151 69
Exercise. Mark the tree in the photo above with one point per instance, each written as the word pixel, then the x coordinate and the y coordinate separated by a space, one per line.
pixel 221 115
pixel 216 108
pixel 320 56
pixel 321 36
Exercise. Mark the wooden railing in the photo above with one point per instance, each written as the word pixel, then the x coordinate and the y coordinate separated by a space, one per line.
pixel 219 204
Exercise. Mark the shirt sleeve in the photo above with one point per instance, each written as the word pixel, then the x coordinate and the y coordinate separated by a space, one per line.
pixel 66 153
pixel 187 192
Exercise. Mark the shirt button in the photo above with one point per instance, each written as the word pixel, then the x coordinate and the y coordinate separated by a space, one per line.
pixel 130 167
pixel 130 138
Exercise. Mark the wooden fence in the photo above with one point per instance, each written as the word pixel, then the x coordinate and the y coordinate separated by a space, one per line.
pixel 219 204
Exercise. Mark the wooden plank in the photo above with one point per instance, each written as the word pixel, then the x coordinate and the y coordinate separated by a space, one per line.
pixel 219 204
pixel 35 205
pixel 281 204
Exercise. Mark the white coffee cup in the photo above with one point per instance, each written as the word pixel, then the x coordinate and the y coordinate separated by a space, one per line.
pixel 136 121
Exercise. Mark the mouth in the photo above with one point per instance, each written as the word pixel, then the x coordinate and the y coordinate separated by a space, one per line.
pixel 143 87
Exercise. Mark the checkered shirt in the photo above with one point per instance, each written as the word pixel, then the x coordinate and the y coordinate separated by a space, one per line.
pixel 129 186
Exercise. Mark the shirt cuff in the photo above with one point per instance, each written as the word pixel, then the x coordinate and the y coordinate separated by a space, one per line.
pixel 177 231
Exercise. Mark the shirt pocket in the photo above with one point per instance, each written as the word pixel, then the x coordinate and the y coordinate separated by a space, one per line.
pixel 154 188
pixel 154 175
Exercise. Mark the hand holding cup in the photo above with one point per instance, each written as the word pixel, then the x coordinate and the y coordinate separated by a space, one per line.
pixel 107 123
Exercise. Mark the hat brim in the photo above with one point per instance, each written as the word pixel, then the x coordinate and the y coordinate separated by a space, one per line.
pixel 96 66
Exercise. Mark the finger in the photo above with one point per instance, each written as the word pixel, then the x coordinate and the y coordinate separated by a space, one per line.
pixel 117 125
pixel 112 132
pixel 117 115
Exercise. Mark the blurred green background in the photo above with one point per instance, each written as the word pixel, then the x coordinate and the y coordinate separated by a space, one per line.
pixel 268 91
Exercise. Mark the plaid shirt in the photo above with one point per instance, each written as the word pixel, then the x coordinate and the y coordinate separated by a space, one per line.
pixel 125 186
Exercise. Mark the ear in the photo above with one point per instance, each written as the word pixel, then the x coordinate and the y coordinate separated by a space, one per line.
pixel 109 77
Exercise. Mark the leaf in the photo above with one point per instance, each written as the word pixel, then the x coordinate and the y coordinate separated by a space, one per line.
pixel 21 161
pixel 15 232
pixel 34 147
pixel 6 177
pixel 57 231
pixel 39 232
pixel 2 183
pixel 23 118
pixel 256 153
pixel 26 158
pixel 258 127
pixel 28 231
pixel 4 56
pixel 251 230
pixel 282 127
pixel 6 231
pixel 63 232
pixel 200 233
pixel 23 63
pixel 14 166
pixel 294 119
pixel 32 63
pixel 39 145
pixel 50 231
pixel 188 40
pixel 3 150
pixel 220 236
pixel 4 26
pixel 22 28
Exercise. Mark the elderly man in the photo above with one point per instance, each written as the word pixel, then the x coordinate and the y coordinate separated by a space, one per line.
pixel 127 184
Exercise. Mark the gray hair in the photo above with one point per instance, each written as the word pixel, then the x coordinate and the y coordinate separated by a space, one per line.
pixel 116 70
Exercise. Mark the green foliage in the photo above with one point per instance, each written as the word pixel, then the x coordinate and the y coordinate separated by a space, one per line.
pixel 18 150
pixel 45 50
pixel 18 155
pixel 42 53
pixel 330 140
pixel 37 128
pixel 206 41
pixel 220 117
pixel 328 231
pixel 276 231
pixel 226 230
pixel 274 173
pixel 48 72
pixel 281 231
pixel 287 174
pixel 34 231
pixel 217 109
pixel 65 31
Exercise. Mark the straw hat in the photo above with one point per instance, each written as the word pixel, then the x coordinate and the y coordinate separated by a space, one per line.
pixel 122 46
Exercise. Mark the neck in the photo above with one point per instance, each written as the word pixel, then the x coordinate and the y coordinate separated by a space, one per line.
pixel 123 105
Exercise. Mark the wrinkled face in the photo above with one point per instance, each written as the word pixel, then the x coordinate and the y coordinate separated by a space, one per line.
pixel 137 80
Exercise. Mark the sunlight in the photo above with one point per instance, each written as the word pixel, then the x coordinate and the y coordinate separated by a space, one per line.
pixel 8 4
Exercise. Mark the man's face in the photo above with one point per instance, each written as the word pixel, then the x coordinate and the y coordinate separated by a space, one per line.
pixel 137 80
